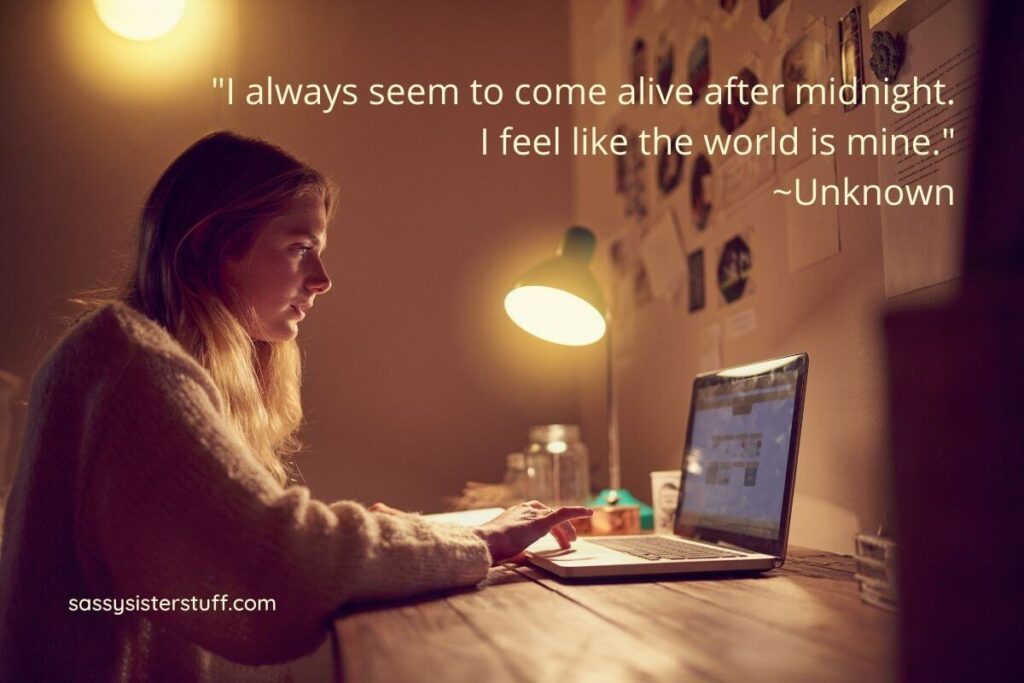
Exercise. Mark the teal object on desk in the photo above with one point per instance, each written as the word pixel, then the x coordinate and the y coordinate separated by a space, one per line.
pixel 627 498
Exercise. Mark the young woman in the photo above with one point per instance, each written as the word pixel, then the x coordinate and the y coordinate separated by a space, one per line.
pixel 156 460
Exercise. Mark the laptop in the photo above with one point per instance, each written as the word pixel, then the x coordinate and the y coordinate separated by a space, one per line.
pixel 736 488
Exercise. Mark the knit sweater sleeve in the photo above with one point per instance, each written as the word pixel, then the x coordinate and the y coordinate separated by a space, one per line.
pixel 174 506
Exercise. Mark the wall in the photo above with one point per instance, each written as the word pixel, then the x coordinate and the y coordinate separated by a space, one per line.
pixel 415 379
pixel 832 309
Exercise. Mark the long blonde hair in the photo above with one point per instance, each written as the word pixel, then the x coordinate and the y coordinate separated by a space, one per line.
pixel 208 206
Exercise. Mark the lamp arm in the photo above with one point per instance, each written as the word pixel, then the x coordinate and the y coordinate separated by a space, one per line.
pixel 614 473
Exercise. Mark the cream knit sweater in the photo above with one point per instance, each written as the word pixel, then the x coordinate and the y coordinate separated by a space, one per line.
pixel 130 485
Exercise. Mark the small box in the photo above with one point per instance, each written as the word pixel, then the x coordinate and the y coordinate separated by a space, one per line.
pixel 612 520
pixel 876 570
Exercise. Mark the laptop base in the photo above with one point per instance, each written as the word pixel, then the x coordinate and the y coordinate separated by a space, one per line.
pixel 589 560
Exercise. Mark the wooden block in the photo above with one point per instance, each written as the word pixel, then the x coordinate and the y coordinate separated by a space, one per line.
pixel 615 519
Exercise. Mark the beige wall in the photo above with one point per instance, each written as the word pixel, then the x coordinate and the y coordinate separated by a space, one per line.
pixel 416 381
pixel 831 309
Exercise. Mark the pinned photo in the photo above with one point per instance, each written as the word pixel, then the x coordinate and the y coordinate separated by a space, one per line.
pixel 642 292
pixel 670 167
pixel 698 67
pixel 633 9
pixel 639 60
pixel 618 254
pixel 695 267
pixel 851 56
pixel 621 165
pixel 700 192
pixel 734 268
pixel 803 63
pixel 621 257
pixel 665 60
pixel 734 114
pixel 766 7
pixel 629 176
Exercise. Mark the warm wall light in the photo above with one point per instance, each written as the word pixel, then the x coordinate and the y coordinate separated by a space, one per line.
pixel 176 68
pixel 559 300
pixel 554 315
pixel 140 19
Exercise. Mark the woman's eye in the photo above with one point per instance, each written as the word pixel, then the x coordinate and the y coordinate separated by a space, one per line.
pixel 302 249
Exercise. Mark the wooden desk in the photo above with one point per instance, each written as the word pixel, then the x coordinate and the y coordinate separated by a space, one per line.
pixel 803 622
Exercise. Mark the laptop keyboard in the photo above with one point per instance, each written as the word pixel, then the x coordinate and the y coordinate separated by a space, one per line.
pixel 664 549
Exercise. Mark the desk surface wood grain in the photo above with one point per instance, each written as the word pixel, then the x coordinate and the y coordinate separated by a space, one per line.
pixel 804 622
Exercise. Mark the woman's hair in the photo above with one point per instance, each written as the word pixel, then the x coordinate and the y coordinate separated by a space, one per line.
pixel 207 207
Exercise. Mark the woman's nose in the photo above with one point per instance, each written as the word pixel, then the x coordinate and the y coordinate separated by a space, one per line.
pixel 318 281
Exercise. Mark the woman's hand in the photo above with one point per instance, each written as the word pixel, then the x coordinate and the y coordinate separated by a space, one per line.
pixel 515 529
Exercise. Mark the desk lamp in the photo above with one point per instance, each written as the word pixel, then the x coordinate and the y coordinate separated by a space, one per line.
pixel 560 301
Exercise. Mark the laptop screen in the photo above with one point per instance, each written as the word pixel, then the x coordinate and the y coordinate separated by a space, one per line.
pixel 740 454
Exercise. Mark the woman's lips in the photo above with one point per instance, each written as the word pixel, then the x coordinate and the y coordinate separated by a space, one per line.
pixel 301 313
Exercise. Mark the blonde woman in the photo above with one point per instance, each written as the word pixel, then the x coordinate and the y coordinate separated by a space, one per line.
pixel 156 462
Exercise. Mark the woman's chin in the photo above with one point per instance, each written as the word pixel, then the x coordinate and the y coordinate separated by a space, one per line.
pixel 288 331
pixel 282 332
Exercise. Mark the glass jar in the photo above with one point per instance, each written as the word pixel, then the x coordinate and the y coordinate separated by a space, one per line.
pixel 560 465
pixel 516 481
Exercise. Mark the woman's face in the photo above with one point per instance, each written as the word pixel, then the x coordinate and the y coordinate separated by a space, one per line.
pixel 283 271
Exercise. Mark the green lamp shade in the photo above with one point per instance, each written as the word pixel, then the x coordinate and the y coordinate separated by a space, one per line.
pixel 559 300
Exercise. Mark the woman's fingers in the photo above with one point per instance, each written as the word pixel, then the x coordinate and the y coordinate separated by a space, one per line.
pixel 559 525
pixel 511 532
pixel 564 514
pixel 559 533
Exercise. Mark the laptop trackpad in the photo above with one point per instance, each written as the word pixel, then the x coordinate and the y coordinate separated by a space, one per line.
pixel 567 555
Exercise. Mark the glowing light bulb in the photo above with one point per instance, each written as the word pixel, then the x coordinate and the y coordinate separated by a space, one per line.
pixel 555 315
pixel 140 19
pixel 558 446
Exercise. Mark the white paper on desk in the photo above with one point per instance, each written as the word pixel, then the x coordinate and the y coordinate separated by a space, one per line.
pixel 921 244
pixel 812 232
pixel 466 517
pixel 663 256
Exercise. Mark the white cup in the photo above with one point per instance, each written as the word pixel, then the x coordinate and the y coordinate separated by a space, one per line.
pixel 665 496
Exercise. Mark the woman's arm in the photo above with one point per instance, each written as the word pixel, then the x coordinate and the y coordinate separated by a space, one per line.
pixel 172 505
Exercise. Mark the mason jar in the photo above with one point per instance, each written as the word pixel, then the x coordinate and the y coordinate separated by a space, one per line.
pixel 557 455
